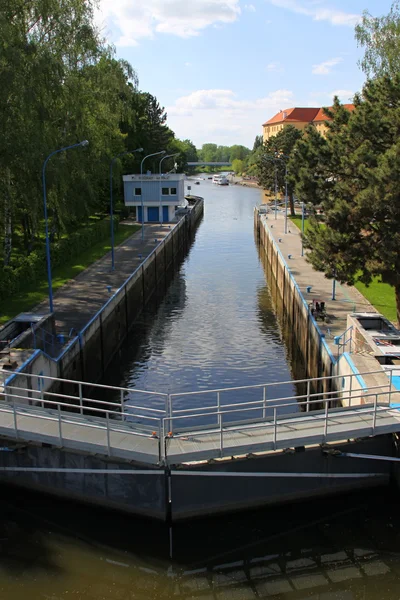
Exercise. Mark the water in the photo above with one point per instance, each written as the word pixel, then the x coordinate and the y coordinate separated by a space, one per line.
pixel 344 548
pixel 218 312
pixel 216 327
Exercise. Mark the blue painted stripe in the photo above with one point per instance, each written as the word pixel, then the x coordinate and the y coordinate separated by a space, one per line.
pixel 356 372
pixel 25 364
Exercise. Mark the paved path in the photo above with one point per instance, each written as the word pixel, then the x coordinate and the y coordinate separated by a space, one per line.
pixel 348 298
pixel 82 297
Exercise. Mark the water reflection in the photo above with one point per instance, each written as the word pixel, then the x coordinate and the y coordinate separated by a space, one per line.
pixel 211 330
pixel 332 549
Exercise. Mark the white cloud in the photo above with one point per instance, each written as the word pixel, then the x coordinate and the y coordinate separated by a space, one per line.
pixel 126 22
pixel 345 96
pixel 188 64
pixel 274 67
pixel 250 7
pixel 220 116
pixel 317 12
pixel 326 67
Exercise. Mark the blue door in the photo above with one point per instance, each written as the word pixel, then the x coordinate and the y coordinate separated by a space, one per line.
pixel 139 214
pixel 153 214
pixel 165 216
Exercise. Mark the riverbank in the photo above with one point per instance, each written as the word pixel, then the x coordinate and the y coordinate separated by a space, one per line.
pixel 233 180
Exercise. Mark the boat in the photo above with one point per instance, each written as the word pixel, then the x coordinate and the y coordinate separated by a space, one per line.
pixel 220 180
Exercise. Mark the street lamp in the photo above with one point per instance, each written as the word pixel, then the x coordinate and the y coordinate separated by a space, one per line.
pixel 302 228
pixel 163 158
pixel 141 184
pixel 79 144
pixel 111 199
pixel 281 158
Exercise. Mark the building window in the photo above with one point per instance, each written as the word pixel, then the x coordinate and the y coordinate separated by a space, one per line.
pixel 165 191
pixel 138 192
pixel 173 192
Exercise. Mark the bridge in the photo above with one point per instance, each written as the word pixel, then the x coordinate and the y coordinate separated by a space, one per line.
pixel 209 164
pixel 215 424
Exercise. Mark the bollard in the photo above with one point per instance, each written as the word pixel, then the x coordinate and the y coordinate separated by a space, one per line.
pixel 109 288
pixel 279 239
pixel 336 340
pixel 308 289
pixel 156 240
pixel 289 256
pixel 140 256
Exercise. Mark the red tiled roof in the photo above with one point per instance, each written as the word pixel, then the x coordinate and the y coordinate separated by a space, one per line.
pixel 302 115
pixel 294 114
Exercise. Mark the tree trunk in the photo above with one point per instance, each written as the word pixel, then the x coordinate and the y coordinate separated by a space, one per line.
pixel 397 294
pixel 291 204
pixel 7 224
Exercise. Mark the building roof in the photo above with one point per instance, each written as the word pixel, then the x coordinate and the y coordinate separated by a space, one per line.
pixel 301 115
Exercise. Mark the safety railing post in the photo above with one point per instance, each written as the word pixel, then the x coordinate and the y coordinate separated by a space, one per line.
pixel 351 389
pixel 59 425
pixel 108 433
pixel 308 395
pixel 326 418
pixel 171 423
pixel 122 405
pixel 15 420
pixel 42 397
pixel 80 399
pixel 275 427
pixel 390 386
pixel 264 403
pixel 218 406
pixel 221 434
pixel 374 415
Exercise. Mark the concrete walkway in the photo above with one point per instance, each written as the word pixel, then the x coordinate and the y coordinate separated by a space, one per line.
pixel 347 298
pixel 82 297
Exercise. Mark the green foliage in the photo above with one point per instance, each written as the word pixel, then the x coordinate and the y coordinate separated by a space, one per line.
pixel 238 166
pixel 358 185
pixel 31 269
pixel 380 36
pixel 33 293
pixel 271 161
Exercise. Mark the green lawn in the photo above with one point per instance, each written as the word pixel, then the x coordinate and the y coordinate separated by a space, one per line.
pixel 35 293
pixel 380 295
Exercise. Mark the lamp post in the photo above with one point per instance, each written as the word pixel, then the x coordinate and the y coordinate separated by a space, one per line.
pixel 141 184
pixel 161 160
pixel 302 228
pixel 111 200
pixel 48 260
pixel 281 158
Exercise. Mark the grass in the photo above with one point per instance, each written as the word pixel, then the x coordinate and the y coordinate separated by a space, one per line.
pixel 35 293
pixel 380 295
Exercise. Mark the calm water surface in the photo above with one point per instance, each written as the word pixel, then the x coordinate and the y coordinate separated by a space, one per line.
pixel 216 327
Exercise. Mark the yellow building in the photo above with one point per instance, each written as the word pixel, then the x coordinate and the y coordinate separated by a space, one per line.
pixel 299 118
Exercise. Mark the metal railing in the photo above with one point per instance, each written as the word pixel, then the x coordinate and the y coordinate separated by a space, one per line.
pixel 342 340
pixel 161 417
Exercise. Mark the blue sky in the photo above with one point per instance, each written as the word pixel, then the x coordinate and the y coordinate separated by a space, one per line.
pixel 223 67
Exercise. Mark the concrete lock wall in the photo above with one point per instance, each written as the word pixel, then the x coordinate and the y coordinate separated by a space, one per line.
pixel 142 494
pixel 87 356
pixel 201 496
pixel 289 300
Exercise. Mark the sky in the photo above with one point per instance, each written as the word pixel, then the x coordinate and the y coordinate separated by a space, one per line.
pixel 221 68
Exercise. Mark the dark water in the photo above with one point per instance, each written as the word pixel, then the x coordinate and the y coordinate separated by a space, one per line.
pixel 216 327
pixel 343 548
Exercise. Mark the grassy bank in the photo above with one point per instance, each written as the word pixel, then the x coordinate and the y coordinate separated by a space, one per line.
pixel 35 293
pixel 380 295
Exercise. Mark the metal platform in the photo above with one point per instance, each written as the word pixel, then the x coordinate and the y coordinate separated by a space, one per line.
pixel 149 429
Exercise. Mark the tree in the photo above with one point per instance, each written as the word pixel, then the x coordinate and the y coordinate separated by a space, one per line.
pixel 276 152
pixel 238 166
pixel 361 196
pixel 258 142
pixel 380 36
